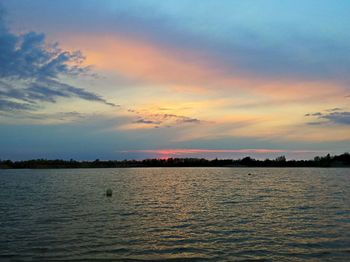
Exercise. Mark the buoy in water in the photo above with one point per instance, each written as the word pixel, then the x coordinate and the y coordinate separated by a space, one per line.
pixel 109 192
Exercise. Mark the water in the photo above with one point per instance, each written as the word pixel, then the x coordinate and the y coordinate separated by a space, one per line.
pixel 180 214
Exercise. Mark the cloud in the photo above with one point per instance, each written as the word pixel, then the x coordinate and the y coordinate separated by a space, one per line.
pixel 333 116
pixel 190 120
pixel 31 71
pixel 315 123
pixel 180 119
pixel 59 116
pixel 334 109
pixel 143 121
pixel 164 120
pixel 342 118
pixel 38 118
pixel 6 105
pixel 254 41
pixel 314 114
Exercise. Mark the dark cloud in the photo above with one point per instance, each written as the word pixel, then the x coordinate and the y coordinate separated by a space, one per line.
pixel 189 120
pixel 298 52
pixel 279 51
pixel 179 119
pixel 342 118
pixel 314 114
pixel 334 116
pixel 6 105
pixel 31 71
pixel 144 121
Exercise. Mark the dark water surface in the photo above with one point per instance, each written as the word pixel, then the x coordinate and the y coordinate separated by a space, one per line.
pixel 180 214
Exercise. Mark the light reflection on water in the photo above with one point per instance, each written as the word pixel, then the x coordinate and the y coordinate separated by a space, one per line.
pixel 203 214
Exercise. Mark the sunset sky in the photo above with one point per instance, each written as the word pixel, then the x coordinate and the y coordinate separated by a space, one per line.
pixel 115 79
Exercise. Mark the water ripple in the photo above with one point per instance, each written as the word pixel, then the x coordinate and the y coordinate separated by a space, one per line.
pixel 180 214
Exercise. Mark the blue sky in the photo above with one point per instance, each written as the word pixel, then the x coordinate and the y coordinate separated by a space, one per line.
pixel 137 79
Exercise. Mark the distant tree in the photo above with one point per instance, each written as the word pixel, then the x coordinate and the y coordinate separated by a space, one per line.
pixel 281 159
pixel 248 161
pixel 323 161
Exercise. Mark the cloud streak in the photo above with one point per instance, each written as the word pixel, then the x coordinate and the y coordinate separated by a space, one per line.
pixel 332 116
pixel 162 120
pixel 342 118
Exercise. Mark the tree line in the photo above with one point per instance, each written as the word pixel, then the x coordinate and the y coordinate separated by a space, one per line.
pixel 342 160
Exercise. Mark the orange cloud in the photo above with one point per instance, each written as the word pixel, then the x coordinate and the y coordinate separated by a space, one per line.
pixel 142 60
pixel 186 70
pixel 240 104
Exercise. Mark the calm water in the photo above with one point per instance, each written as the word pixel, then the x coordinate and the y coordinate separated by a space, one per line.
pixel 181 214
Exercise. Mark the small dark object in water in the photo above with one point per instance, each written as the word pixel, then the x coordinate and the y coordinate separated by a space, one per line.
pixel 109 192
pixel 249 174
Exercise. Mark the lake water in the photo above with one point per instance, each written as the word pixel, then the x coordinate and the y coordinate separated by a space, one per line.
pixel 180 214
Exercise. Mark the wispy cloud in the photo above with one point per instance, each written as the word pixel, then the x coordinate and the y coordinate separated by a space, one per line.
pixel 31 71
pixel 334 109
pixel 39 118
pixel 231 34
pixel 143 121
pixel 147 120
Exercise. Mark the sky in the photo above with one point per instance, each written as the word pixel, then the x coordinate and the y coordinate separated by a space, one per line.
pixel 113 79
